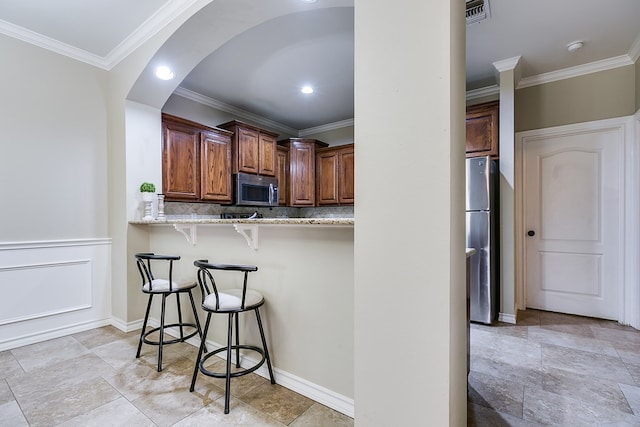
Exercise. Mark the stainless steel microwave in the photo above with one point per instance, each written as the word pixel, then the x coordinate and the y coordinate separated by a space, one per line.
pixel 255 190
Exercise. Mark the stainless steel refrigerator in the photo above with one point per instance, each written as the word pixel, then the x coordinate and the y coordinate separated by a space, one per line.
pixel 482 235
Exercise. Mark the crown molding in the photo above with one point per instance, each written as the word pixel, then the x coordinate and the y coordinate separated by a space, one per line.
pixel 222 106
pixel 53 45
pixel 137 38
pixel 483 92
pixel 149 28
pixel 219 105
pixel 325 128
pixel 580 70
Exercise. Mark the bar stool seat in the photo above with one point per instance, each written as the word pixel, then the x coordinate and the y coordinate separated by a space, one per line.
pixel 231 302
pixel 165 288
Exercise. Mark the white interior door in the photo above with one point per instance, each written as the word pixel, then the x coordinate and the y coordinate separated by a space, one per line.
pixel 572 217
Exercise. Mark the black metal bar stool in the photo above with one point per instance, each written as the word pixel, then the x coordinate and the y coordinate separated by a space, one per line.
pixel 231 302
pixel 165 287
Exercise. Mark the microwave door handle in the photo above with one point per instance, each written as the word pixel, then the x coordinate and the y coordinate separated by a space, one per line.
pixel 271 194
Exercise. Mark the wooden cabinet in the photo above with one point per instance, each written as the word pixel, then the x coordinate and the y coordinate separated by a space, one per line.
pixel 282 173
pixel 301 185
pixel 254 149
pixel 196 161
pixel 335 175
pixel 482 130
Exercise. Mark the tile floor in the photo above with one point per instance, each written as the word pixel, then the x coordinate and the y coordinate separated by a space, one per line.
pixel 93 379
pixel 554 370
pixel 549 369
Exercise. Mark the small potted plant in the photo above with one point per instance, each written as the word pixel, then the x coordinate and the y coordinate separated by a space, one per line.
pixel 147 189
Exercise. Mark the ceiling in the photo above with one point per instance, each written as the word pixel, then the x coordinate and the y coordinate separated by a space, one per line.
pixel 261 70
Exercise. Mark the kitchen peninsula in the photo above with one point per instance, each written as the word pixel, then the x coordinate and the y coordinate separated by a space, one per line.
pixel 305 272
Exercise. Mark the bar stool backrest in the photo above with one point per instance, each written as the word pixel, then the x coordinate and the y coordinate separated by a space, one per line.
pixel 208 283
pixel 143 260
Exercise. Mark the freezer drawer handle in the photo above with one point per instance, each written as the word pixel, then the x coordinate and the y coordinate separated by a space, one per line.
pixel 531 233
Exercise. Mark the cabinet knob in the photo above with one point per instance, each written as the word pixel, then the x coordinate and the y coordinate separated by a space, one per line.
pixel 531 233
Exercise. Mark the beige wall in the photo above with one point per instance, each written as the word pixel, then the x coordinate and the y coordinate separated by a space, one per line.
pixel 53 134
pixel 409 270
pixel 306 276
pixel 595 96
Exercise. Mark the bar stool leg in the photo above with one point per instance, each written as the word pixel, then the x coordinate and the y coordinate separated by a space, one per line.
pixel 161 340
pixel 264 345
pixel 202 346
pixel 195 316
pixel 227 387
pixel 144 325
pixel 179 315
pixel 237 341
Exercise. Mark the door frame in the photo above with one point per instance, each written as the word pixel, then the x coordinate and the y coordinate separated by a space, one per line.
pixel 628 129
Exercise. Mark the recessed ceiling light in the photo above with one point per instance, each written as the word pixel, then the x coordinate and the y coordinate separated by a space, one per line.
pixel 309 1
pixel 164 73
pixel 306 90
pixel 576 45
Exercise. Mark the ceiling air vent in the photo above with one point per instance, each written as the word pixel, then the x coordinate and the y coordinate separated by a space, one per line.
pixel 477 10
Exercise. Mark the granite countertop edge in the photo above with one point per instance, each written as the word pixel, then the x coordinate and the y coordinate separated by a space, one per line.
pixel 257 221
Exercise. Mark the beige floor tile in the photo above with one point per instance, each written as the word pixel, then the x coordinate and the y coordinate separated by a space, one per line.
pixel 320 415
pixel 556 410
pixel 481 416
pixel 99 336
pixel 240 414
pixel 5 392
pixel 579 342
pixel 165 409
pixel 280 403
pixel 65 403
pixel 11 415
pixel 585 388
pixel 498 394
pixel 578 361
pixel 9 365
pixel 48 352
pixel 58 376
pixel 119 412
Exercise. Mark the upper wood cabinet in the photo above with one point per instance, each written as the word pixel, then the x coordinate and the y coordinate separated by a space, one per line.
pixel 196 161
pixel 335 175
pixel 254 149
pixel 482 130
pixel 282 173
pixel 301 185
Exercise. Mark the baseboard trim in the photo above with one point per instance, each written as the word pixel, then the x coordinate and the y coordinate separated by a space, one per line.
pixel 318 393
pixel 507 318
pixel 51 334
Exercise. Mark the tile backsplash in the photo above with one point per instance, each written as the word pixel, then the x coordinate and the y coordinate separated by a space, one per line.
pixel 208 209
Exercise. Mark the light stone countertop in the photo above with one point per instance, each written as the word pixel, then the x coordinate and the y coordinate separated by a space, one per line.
pixel 257 221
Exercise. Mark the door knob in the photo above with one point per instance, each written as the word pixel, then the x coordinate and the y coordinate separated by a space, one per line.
pixel 531 233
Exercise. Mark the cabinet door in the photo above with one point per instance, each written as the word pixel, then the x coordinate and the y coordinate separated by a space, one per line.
pixel 248 150
pixel 346 177
pixel 327 177
pixel 302 167
pixel 181 162
pixel 482 130
pixel 282 173
pixel 267 155
pixel 216 167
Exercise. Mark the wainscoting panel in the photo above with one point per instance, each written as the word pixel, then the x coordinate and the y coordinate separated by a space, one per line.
pixel 53 288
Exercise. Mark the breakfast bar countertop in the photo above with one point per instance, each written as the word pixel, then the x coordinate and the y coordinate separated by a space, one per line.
pixel 256 221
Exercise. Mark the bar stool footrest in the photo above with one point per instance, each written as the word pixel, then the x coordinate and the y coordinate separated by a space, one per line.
pixel 172 341
pixel 243 371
